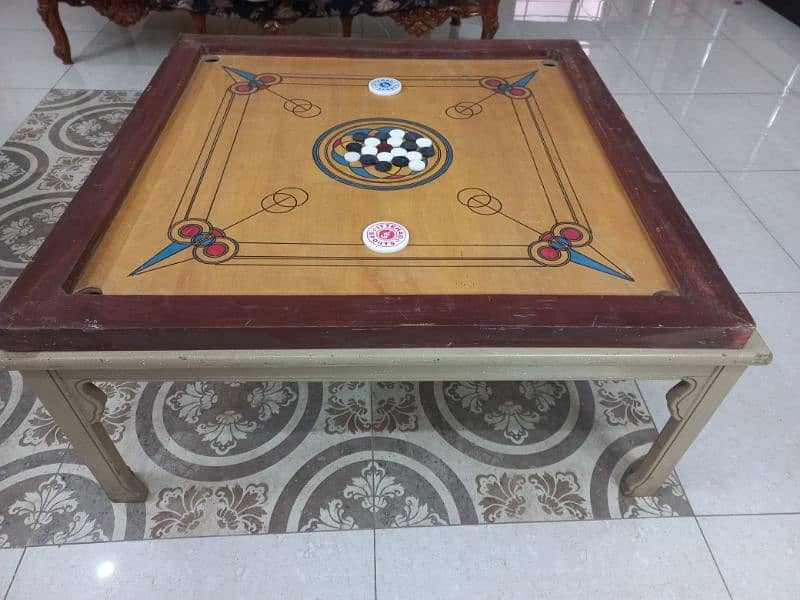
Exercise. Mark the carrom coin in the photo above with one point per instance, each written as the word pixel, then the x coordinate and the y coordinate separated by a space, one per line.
pixel 385 237
pixel 385 86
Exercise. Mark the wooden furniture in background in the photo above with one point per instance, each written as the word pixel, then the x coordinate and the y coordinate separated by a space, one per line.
pixel 416 21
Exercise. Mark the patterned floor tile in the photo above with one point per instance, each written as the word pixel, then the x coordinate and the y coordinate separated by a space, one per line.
pixel 45 162
pixel 222 458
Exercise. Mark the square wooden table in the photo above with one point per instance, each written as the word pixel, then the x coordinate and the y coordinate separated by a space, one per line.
pixel 220 237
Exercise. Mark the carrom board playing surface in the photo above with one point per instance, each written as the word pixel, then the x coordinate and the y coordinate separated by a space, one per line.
pixel 252 187
pixel 228 211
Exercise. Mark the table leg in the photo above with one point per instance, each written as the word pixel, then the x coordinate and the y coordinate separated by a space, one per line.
pixel 490 19
pixel 199 21
pixel 347 25
pixel 48 10
pixel 691 403
pixel 77 405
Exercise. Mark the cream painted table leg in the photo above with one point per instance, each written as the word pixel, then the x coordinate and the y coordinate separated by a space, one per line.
pixel 77 405
pixel 691 403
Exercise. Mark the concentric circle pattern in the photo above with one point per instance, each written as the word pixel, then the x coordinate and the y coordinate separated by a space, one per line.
pixel 382 154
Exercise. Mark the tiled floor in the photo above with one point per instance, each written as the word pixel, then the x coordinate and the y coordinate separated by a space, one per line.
pixel 712 88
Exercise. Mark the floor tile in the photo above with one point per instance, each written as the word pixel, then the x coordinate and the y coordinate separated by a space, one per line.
pixel 781 57
pixel 664 558
pixel 46 161
pixel 381 27
pixel 772 196
pixel 745 460
pixel 698 66
pixel 617 74
pixel 757 555
pixel 15 105
pixel 90 76
pixel 750 19
pixel 640 20
pixel 461 452
pixel 741 132
pixel 330 566
pixel 539 20
pixel 125 46
pixel 9 559
pixel 225 458
pixel 725 222
pixel 671 148
pixel 37 66
pixel 22 14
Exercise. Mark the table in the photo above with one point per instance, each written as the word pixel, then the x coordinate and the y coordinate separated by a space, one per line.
pixel 219 237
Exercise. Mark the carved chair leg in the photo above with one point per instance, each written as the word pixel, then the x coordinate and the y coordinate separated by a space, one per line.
pixel 199 20
pixel 691 403
pixel 48 10
pixel 347 25
pixel 491 22
pixel 77 405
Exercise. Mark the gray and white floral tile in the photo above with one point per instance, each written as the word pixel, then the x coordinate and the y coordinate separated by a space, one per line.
pixel 230 457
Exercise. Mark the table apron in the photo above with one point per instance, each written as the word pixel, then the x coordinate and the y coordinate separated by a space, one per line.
pixel 368 364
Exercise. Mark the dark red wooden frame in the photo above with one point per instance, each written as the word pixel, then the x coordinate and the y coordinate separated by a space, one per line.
pixel 39 312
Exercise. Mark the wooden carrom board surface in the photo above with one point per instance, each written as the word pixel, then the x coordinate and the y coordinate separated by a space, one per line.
pixel 225 213
pixel 249 190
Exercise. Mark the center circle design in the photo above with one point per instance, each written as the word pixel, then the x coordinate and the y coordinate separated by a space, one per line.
pixel 382 153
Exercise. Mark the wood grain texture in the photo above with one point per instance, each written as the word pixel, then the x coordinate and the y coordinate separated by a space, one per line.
pixel 224 157
pixel 40 313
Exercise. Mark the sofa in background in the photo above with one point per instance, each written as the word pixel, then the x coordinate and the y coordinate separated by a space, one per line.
pixel 416 16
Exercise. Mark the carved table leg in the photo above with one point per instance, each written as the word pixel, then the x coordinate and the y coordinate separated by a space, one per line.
pixel 199 20
pixel 489 18
pixel 691 403
pixel 455 20
pixel 77 405
pixel 347 25
pixel 48 10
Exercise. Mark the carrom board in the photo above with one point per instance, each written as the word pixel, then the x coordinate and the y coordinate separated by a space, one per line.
pixel 248 190
pixel 230 209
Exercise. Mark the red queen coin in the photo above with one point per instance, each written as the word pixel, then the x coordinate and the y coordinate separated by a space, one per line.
pixel 385 237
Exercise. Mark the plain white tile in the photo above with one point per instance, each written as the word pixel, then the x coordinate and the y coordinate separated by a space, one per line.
pixel 383 27
pixel 727 225
pixel 617 74
pixel 107 77
pixel 775 198
pixel 317 565
pixel 639 20
pixel 630 559
pixel 33 64
pixel 698 66
pixel 546 20
pixel 741 132
pixel 128 46
pixel 781 57
pixel 9 559
pixel 22 14
pixel 671 148
pixel 750 19
pixel 15 105
pixel 746 459
pixel 757 555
